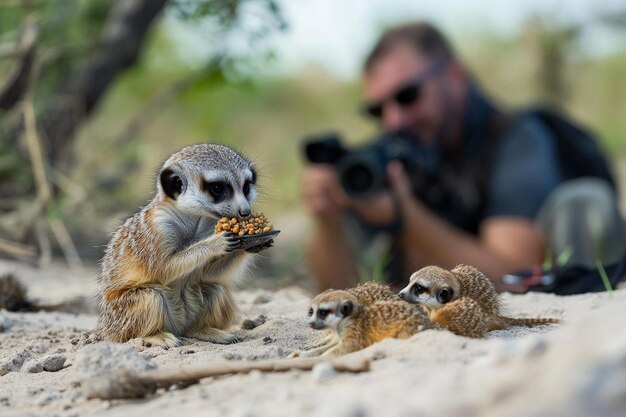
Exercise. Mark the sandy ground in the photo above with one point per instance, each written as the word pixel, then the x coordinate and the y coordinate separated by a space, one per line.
pixel 576 369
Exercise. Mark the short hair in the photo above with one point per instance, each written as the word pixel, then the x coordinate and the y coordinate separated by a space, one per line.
pixel 423 37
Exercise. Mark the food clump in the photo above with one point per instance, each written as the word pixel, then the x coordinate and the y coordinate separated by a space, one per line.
pixel 253 225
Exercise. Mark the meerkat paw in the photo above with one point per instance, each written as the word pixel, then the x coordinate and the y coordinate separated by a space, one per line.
pixel 163 339
pixel 231 243
pixel 216 336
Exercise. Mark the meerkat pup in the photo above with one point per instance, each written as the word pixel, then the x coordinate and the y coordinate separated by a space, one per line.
pixel 165 272
pixel 372 291
pixel 354 325
pixel 462 300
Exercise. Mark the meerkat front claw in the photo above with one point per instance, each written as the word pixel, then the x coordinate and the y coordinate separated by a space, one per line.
pixel 232 244
pixel 163 339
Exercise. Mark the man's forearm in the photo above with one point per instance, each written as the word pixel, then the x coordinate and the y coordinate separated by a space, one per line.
pixel 429 237
pixel 330 258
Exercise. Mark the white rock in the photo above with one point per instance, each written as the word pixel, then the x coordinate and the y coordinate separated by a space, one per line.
pixel 106 357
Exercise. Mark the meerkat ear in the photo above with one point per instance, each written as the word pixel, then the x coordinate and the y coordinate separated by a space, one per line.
pixel 346 308
pixel 445 294
pixel 171 183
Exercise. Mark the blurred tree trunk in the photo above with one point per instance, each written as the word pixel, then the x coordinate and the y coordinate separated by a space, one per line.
pixel 120 45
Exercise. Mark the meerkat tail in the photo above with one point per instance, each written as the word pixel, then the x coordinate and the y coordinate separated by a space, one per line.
pixel 525 321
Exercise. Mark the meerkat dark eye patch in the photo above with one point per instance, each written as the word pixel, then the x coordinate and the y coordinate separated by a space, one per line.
pixel 246 188
pixel 444 295
pixel 323 313
pixel 419 289
pixel 171 183
pixel 346 308
pixel 217 189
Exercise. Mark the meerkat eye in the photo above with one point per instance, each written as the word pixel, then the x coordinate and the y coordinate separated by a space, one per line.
pixel 216 189
pixel 246 188
pixel 310 313
pixel 444 295
pixel 346 309
pixel 171 183
pixel 418 289
pixel 323 313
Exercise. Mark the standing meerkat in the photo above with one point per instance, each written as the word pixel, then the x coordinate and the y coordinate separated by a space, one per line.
pixel 165 273
pixel 354 325
pixel 462 300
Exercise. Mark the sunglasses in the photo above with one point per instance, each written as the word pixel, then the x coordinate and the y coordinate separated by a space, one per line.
pixel 403 96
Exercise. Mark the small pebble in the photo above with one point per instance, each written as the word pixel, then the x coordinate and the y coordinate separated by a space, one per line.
pixel 378 355
pixel 232 357
pixel 252 324
pixel 46 398
pixel 13 362
pixel 323 372
pixel 275 352
pixel 5 323
pixel 255 374
pixel 33 366
pixel 53 363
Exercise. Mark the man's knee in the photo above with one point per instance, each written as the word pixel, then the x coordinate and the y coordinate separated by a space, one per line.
pixel 582 216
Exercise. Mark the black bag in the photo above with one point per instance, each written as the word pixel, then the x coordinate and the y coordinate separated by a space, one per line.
pixel 570 279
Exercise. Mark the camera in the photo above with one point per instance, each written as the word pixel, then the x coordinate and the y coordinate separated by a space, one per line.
pixel 363 170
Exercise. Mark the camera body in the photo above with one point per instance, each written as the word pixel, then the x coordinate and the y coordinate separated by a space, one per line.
pixel 362 170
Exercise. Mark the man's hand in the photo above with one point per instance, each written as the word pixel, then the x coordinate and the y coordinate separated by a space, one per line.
pixel 383 208
pixel 378 210
pixel 326 199
pixel 322 193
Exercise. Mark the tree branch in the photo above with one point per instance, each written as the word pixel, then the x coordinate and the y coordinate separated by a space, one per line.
pixel 119 47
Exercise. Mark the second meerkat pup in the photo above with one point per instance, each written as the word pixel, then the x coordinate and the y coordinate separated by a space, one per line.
pixel 354 323
pixel 165 272
pixel 372 291
pixel 462 300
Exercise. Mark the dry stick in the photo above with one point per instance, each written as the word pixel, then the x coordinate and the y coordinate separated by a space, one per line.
pixel 44 191
pixel 34 151
pixel 18 250
pixel 45 248
pixel 137 385
pixel 67 245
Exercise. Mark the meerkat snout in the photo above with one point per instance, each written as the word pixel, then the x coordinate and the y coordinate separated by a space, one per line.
pixel 413 293
pixel 328 314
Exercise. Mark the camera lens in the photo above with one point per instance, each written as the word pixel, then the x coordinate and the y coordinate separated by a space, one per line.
pixel 362 174
pixel 358 179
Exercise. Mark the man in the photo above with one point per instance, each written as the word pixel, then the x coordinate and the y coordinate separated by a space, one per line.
pixel 498 173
